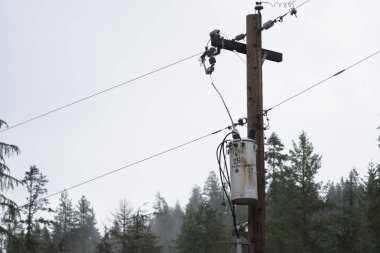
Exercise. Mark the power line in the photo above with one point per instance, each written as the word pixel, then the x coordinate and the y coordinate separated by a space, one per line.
pixel 323 81
pixel 302 4
pixel 293 12
pixel 100 92
pixel 134 163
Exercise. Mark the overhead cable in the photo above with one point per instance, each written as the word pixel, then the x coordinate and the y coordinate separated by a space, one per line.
pixel 100 92
pixel 293 12
pixel 323 81
pixel 137 162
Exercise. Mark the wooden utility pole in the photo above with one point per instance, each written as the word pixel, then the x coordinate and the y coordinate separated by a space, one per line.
pixel 256 212
pixel 255 59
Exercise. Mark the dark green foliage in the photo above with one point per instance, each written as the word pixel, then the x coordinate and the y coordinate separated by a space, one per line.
pixel 304 165
pixel 347 223
pixel 166 223
pixel 274 156
pixel 196 198
pixel 86 234
pixel 119 231
pixel 105 243
pixel 74 229
pixel 294 205
pixel 351 216
pixel 9 211
pixel 6 180
pixel 140 237
pixel 63 224
pixel 304 217
pixel 46 241
pixel 35 183
pixel 202 231
pixel 212 190
pixel 372 212
pixel 213 194
pixel 281 201
pixel 130 232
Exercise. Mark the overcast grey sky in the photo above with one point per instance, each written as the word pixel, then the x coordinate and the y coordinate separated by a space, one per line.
pixel 55 52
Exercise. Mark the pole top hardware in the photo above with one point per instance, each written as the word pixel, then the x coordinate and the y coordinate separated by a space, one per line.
pixel 258 6
pixel 211 53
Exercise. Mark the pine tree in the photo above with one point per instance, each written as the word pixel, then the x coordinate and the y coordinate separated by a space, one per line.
pixel 196 198
pixel 177 216
pixel 35 183
pixel 105 243
pixel 87 235
pixel 202 231
pixel 349 218
pixel 274 156
pixel 64 223
pixel 372 190
pixel 119 230
pixel 47 244
pixel 8 208
pixel 281 202
pixel 213 191
pixel 304 166
pixel 140 237
pixel 166 222
pixel 131 232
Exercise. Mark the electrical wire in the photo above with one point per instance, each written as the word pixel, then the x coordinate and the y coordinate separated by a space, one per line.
pixel 225 178
pixel 99 92
pixel 302 4
pixel 134 163
pixel 289 4
pixel 241 59
pixel 321 82
pixel 220 95
pixel 293 11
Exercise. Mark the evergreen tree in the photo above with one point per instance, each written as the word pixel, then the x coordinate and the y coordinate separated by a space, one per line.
pixel 86 234
pixel 119 231
pixel 166 223
pixel 64 223
pixel 213 195
pixel 372 190
pixel 35 183
pixel 213 192
pixel 196 198
pixel 274 155
pixel 46 244
pixel 281 202
pixel 350 219
pixel 8 208
pixel 14 236
pixel 140 237
pixel 105 244
pixel 202 231
pixel 130 232
pixel 305 165
pixel 177 216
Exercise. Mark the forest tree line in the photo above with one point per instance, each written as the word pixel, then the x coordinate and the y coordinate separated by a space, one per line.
pixel 303 215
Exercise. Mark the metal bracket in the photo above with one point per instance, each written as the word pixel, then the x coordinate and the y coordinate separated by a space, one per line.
pixel 265 54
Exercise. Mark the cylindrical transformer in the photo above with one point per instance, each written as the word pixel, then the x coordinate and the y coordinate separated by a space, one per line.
pixel 243 171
